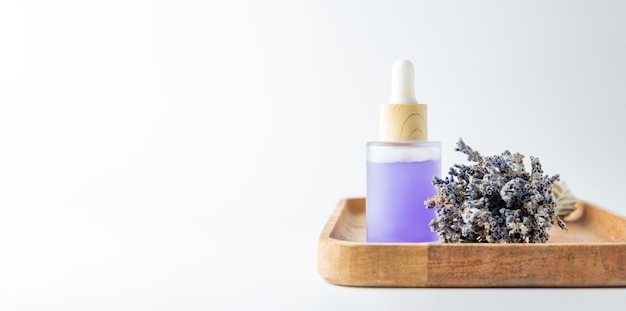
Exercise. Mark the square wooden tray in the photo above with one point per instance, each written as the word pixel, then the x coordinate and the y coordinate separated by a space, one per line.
pixel 592 253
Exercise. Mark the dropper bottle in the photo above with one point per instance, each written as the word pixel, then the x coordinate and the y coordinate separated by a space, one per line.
pixel 401 166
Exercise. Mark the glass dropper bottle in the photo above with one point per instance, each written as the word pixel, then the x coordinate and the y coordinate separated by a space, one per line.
pixel 401 166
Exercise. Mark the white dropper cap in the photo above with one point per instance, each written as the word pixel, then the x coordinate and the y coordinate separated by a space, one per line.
pixel 402 83
pixel 403 118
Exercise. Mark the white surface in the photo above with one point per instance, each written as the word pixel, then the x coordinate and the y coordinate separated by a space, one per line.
pixel 184 155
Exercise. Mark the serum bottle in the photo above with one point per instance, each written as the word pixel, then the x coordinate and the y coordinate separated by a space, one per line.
pixel 401 166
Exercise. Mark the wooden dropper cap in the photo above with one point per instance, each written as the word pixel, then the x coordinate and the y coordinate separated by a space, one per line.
pixel 403 118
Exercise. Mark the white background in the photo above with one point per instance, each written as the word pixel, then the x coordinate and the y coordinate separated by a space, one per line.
pixel 185 155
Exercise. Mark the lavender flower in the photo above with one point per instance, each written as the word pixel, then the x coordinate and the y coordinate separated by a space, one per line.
pixel 494 200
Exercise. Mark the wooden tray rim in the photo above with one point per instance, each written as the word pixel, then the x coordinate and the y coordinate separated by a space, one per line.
pixel 329 227
pixel 328 245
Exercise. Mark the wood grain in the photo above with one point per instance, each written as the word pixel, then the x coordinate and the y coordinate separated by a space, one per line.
pixel 592 253
pixel 403 122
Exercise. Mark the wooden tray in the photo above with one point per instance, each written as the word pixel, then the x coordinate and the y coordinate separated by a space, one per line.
pixel 592 253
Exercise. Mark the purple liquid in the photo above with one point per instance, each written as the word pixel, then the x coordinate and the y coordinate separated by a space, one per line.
pixel 395 210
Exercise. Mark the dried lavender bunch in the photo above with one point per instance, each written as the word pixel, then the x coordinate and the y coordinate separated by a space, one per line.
pixel 494 200
pixel 565 200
